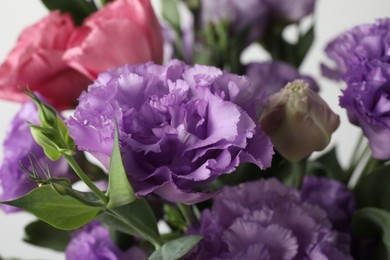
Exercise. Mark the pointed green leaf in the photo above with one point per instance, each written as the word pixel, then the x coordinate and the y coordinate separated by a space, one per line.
pixel 303 46
pixel 39 233
pixel 65 137
pixel 119 190
pixel 62 212
pixel 133 216
pixel 47 114
pixel 373 189
pixel 374 223
pixel 177 248
pixel 49 147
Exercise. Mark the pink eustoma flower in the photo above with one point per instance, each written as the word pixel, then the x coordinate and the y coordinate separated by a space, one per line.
pixel 123 32
pixel 36 61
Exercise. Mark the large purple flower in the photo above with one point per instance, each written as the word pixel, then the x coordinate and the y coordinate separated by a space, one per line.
pixel 333 197
pixel 93 242
pixel 18 145
pixel 269 77
pixel 362 60
pixel 180 127
pixel 267 220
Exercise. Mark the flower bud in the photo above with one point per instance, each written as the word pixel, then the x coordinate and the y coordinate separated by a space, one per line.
pixel 298 121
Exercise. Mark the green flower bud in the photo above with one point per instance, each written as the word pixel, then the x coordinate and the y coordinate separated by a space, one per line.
pixel 298 121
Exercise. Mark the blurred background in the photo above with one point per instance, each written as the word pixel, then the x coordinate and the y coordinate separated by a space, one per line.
pixel 332 17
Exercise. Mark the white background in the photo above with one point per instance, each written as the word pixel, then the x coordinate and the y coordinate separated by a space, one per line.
pixel 332 17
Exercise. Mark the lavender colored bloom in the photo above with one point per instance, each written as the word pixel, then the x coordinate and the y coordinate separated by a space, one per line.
pixel 290 10
pixel 180 127
pixel 333 197
pixel 267 220
pixel 362 60
pixel 18 145
pixel 357 47
pixel 93 242
pixel 254 15
pixel 242 15
pixel 269 77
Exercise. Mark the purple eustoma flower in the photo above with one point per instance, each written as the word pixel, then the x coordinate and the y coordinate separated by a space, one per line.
pixel 362 61
pixel 253 16
pixel 93 242
pixel 331 196
pixel 267 220
pixel 180 127
pixel 269 77
pixel 18 145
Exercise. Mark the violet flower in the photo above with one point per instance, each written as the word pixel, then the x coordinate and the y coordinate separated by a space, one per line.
pixel 267 220
pixel 180 127
pixel 93 242
pixel 18 145
pixel 333 197
pixel 362 61
pixel 253 16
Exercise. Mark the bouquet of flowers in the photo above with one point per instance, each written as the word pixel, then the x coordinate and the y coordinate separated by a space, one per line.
pixel 148 138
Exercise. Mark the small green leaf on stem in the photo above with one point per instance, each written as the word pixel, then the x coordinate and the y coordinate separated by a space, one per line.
pixel 177 248
pixel 119 190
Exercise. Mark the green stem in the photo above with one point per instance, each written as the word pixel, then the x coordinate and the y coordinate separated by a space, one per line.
pixel 356 156
pixel 85 179
pixel 297 172
pixel 118 215
pixel 187 213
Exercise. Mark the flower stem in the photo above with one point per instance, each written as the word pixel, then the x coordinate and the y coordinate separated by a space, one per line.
pixel 187 213
pixel 357 156
pixel 118 215
pixel 297 172
pixel 72 162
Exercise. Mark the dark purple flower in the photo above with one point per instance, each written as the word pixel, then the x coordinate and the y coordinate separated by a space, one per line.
pixel 333 197
pixel 290 10
pixel 180 127
pixel 248 15
pixel 93 242
pixel 253 16
pixel 357 47
pixel 18 145
pixel 362 60
pixel 267 220
pixel 269 77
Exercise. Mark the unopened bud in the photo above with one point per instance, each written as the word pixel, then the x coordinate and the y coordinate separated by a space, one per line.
pixel 298 121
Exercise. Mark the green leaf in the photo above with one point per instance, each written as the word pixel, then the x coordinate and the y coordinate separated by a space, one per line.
pixel 373 189
pixel 62 212
pixel 136 219
pixel 177 248
pixel 173 216
pixel 119 191
pixel 171 14
pixel 374 223
pixel 65 137
pixel 41 234
pixel 303 46
pixel 79 9
pixel 44 139
pixel 329 166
